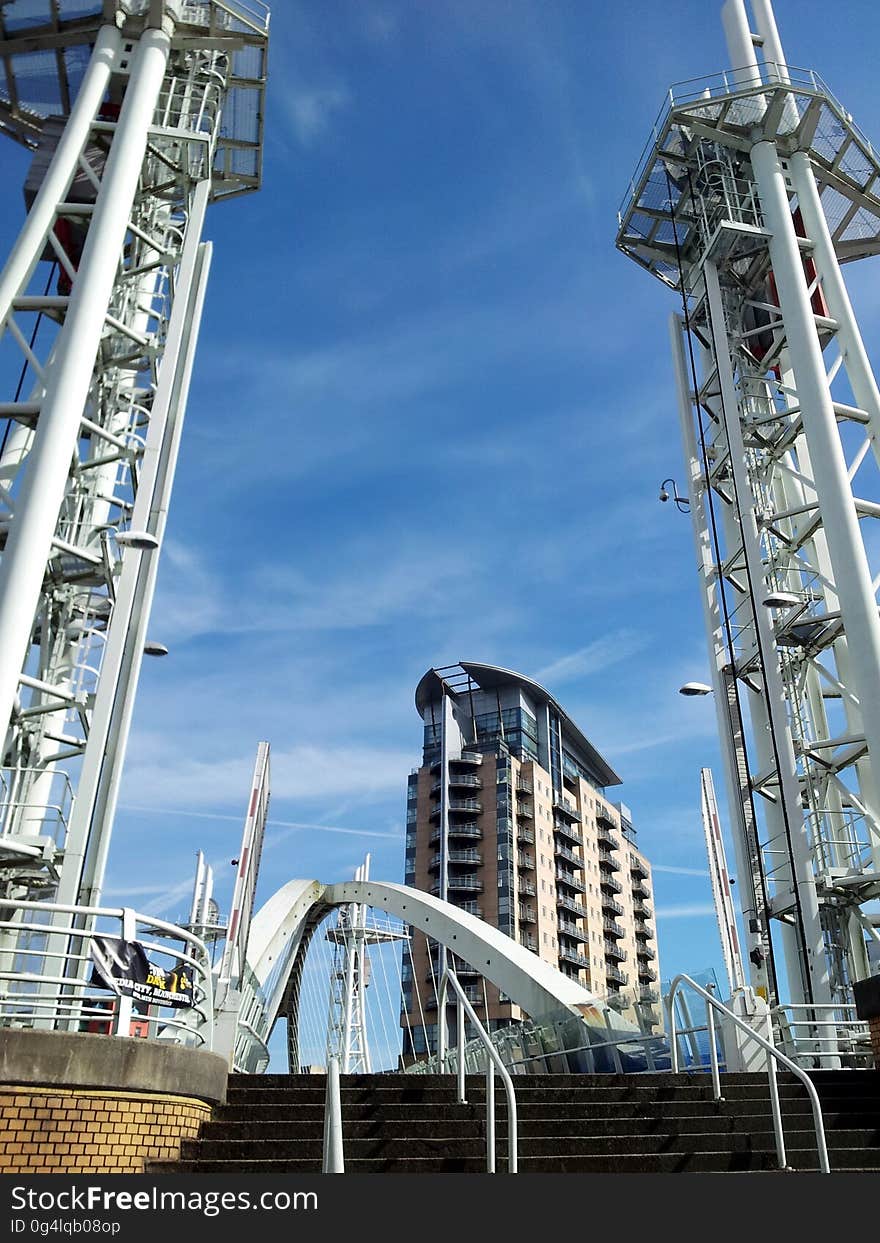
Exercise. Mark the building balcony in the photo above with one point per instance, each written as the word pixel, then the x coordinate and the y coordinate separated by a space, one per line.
pixel 637 867
pixel 573 956
pixel 642 929
pixel 567 903
pixel 614 973
pixel 641 910
pixel 613 951
pixel 525 810
pixel 474 996
pixel 566 927
pixel 608 860
pixel 458 807
pixel 459 781
pixel 613 928
pixel 471 832
pixel 640 889
pixel 569 878
pixel 468 858
pixel 526 889
pixel 524 786
pixel 460 884
pixel 647 973
pixel 649 996
pixel 562 852
pixel 527 914
pixel 607 815
pixel 564 829
pixel 471 759
pixel 527 941
pixel 524 861
pixel 566 808
pixel 644 951
pixel 610 905
pixel 525 835
pixel 608 883
pixel 461 968
pixel 607 837
pixel 470 907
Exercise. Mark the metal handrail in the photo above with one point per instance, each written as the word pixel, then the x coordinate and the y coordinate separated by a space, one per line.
pixel 493 1063
pixel 333 1159
pixel 713 1004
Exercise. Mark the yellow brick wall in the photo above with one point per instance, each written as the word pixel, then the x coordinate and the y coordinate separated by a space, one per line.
pixel 52 1130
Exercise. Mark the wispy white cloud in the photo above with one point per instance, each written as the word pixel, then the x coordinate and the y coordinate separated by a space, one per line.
pixel 271 824
pixel 304 772
pixel 311 110
pixel 601 654
pixel 677 871
pixel 687 910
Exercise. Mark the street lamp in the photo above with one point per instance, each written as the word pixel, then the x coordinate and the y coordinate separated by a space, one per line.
pixel 695 688
pixel 682 504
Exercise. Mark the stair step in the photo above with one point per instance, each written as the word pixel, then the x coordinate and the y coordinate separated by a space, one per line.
pixel 568 1163
pixel 405 1147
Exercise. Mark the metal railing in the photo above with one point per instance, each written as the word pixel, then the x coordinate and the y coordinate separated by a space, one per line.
pixel 493 1063
pixel 45 981
pixel 807 1032
pixel 774 1056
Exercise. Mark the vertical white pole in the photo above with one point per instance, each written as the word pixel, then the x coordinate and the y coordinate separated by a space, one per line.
pixel 62 168
pixel 858 603
pixel 815 966
pixel 852 347
pixel 122 1026
pixel 45 477
pixel 740 45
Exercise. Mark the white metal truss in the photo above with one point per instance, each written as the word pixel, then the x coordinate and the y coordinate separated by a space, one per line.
pixel 756 187
pixel 100 302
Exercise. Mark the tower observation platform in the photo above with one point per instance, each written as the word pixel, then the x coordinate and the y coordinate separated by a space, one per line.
pixel 755 187
pixel 139 114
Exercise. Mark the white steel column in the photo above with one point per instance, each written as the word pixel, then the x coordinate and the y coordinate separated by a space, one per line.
pixel 700 526
pixel 32 530
pixel 62 168
pixel 814 966
pixel 852 347
pixel 858 603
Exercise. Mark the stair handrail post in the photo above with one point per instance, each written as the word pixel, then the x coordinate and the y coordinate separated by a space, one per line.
pixel 333 1158
pixel 713 1048
pixel 490 1116
pixel 459 1018
pixel 774 1055
pixel 492 1055
pixel 673 1033
pixel 442 1034
pixel 774 1099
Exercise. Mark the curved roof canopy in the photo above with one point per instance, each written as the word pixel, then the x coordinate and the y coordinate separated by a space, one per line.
pixel 490 677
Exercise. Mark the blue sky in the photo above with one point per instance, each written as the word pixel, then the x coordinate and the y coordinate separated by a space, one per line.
pixel 431 410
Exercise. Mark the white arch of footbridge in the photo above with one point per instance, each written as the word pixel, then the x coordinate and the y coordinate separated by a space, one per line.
pixel 282 929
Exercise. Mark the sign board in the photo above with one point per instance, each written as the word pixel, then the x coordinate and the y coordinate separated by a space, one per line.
pixel 124 969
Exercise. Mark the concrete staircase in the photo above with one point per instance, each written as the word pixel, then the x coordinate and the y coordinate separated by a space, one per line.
pixel 660 1123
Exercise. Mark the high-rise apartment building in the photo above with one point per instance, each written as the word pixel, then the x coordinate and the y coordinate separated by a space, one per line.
pixel 509 818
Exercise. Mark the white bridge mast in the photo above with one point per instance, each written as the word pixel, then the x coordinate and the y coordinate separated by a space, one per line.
pixel 158 111
pixel 758 187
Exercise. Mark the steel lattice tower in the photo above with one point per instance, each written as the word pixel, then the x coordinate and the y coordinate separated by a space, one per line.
pixel 756 187
pixel 155 109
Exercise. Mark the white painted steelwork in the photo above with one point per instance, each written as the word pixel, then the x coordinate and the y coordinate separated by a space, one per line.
pixel 720 878
pixel 282 929
pixel 158 111
pixel 755 187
